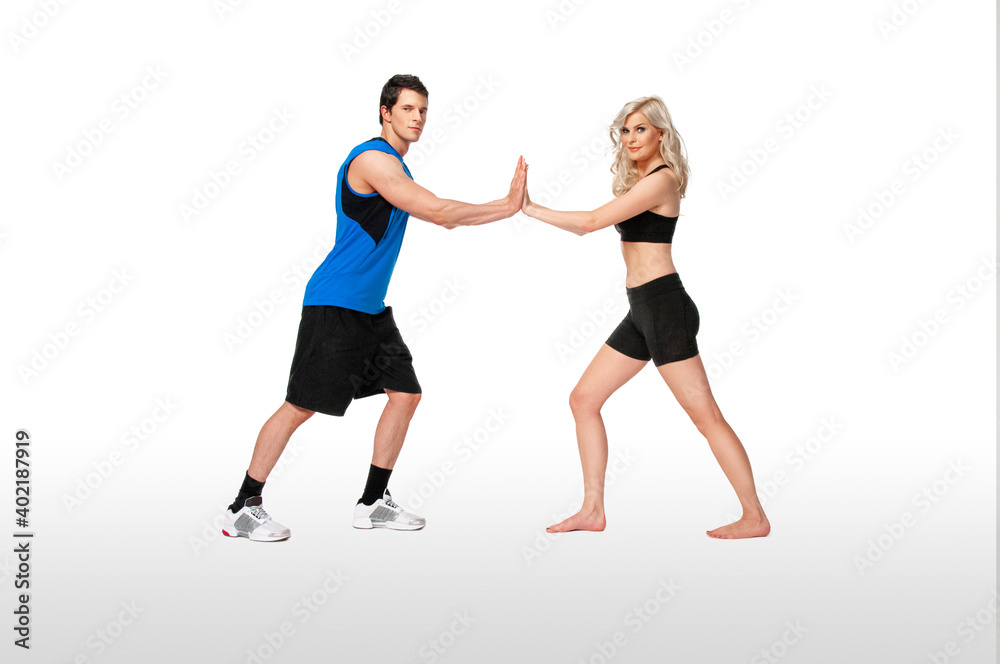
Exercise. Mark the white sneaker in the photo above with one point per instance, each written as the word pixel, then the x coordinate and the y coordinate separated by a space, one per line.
pixel 254 523
pixel 384 513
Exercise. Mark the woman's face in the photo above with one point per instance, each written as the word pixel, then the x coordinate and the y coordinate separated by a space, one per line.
pixel 640 139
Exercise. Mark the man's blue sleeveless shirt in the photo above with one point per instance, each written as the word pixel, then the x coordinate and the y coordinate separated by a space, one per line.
pixel 356 272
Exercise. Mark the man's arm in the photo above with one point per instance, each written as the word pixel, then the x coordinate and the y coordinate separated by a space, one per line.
pixel 383 173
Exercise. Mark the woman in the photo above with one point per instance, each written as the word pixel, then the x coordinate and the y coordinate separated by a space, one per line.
pixel 650 177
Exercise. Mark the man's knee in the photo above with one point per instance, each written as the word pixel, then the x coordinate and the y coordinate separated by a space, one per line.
pixel 297 413
pixel 405 400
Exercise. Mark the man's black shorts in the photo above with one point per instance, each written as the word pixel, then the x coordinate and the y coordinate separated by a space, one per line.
pixel 342 355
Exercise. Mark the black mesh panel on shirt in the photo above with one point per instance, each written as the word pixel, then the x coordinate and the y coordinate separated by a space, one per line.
pixel 371 212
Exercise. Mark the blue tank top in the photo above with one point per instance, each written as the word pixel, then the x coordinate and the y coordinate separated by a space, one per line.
pixel 356 272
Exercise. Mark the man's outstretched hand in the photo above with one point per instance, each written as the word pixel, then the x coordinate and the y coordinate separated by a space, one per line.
pixel 517 186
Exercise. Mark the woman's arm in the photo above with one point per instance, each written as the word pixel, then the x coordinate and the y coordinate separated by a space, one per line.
pixel 647 193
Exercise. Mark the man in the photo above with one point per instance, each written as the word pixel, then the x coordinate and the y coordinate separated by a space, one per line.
pixel 348 345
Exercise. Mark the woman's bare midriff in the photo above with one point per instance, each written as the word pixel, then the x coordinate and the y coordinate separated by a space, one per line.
pixel 645 261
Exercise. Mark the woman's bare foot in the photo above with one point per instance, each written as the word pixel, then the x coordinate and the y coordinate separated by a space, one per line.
pixel 748 526
pixel 585 519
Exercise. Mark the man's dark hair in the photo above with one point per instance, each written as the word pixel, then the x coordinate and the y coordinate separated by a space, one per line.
pixel 392 88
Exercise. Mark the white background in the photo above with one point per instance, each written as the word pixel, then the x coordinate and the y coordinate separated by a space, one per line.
pixel 543 80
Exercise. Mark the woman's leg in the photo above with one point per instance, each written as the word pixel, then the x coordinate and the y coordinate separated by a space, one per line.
pixel 687 380
pixel 608 371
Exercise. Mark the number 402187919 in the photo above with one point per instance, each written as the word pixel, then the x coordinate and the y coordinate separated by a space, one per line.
pixel 22 475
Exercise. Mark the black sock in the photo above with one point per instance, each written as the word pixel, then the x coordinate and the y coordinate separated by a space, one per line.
pixel 378 481
pixel 251 487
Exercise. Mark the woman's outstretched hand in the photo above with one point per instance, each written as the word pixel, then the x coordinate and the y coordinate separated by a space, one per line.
pixel 526 200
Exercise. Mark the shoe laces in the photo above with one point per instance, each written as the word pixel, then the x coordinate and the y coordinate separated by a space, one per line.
pixel 389 502
pixel 258 513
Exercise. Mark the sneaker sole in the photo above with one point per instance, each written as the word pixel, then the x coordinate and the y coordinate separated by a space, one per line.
pixel 366 524
pixel 258 539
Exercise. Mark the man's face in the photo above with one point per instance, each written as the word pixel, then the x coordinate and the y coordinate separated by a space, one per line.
pixel 407 117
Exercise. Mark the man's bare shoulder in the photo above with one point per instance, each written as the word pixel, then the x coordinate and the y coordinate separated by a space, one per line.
pixel 373 170
pixel 376 161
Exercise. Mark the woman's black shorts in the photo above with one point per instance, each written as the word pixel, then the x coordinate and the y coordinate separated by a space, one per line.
pixel 342 355
pixel 661 322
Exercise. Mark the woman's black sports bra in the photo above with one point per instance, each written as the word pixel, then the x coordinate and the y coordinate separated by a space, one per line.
pixel 648 226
